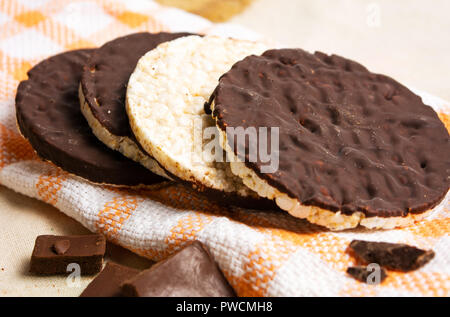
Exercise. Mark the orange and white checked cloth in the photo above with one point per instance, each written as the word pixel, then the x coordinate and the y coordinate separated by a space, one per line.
pixel 261 253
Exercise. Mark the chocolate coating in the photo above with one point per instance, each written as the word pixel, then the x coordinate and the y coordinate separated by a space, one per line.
pixel 350 140
pixel 105 77
pixel 394 256
pixel 108 283
pixel 49 116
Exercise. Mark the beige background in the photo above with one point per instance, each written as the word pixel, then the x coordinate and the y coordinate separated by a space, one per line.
pixel 406 39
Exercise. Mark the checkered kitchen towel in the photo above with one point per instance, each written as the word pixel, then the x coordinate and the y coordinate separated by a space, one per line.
pixel 261 253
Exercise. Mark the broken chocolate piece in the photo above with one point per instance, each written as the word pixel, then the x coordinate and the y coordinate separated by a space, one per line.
pixel 190 272
pixel 52 254
pixel 61 246
pixel 108 282
pixel 367 275
pixel 394 256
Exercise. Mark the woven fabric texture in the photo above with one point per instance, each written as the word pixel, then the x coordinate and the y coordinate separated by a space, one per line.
pixel 260 253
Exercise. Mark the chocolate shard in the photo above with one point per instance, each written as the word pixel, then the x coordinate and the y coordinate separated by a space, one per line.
pixel 394 256
pixel 190 272
pixel 52 254
pixel 367 274
pixel 108 282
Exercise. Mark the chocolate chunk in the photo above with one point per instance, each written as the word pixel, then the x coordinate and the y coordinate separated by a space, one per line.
pixel 108 282
pixel 61 246
pixel 394 256
pixel 50 255
pixel 49 116
pixel 367 275
pixel 349 140
pixel 190 272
